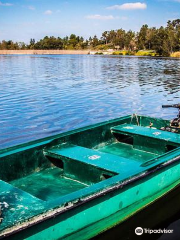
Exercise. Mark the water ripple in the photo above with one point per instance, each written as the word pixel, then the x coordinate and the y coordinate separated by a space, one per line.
pixel 45 95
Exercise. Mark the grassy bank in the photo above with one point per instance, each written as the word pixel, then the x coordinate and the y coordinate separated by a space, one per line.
pixel 150 53
pixel 176 54
pixel 139 53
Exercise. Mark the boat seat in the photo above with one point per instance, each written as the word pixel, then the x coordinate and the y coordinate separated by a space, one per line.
pixel 129 129
pixel 101 160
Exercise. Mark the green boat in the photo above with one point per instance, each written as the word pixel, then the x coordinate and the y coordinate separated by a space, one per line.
pixel 78 184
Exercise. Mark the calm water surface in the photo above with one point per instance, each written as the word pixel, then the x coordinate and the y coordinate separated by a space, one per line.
pixel 45 95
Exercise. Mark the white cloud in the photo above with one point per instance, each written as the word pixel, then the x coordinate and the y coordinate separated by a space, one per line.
pixel 100 17
pixel 129 6
pixel 123 18
pixel 6 4
pixel 48 12
pixel 31 8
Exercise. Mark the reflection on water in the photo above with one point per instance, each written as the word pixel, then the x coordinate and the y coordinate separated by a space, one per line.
pixel 45 95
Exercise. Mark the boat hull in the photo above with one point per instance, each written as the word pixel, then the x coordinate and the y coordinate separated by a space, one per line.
pixel 105 212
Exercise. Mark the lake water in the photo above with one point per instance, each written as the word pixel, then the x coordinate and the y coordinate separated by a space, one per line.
pixel 42 95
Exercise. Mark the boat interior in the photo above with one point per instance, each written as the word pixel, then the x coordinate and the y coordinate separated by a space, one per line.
pixel 53 168
pixel 87 157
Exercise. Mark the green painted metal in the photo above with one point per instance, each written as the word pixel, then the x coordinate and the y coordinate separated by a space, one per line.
pixel 47 184
pixel 147 132
pixel 77 184
pixel 127 151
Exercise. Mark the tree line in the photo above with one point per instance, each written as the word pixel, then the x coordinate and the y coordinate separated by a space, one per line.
pixel 163 40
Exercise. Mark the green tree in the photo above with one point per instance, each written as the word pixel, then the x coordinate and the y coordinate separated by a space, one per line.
pixel 32 43
pixel 141 42
pixel 95 41
pixel 105 37
pixel 129 41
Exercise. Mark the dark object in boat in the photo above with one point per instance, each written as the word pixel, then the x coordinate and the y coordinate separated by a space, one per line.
pixel 174 123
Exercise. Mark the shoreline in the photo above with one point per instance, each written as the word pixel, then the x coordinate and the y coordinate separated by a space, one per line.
pixel 82 52
pixel 41 52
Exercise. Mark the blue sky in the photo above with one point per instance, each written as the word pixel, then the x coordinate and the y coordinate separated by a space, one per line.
pixel 21 20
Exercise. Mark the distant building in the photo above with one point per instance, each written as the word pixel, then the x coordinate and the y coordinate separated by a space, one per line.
pixel 117 47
